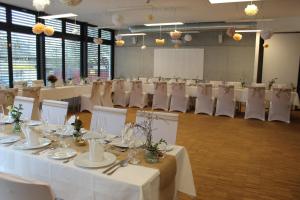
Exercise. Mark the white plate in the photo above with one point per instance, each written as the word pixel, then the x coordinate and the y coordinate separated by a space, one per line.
pixel 6 120
pixel 24 146
pixel 118 143
pixel 9 139
pixel 83 160
pixel 34 123
pixel 62 153
pixel 166 148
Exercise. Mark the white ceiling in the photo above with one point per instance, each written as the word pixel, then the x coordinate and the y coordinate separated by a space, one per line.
pixel 99 12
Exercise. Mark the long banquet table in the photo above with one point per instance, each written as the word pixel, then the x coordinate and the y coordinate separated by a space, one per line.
pixel 69 182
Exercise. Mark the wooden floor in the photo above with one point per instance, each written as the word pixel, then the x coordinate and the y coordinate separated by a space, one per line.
pixel 237 159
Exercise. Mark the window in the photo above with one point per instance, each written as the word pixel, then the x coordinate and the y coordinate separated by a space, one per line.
pixel 72 59
pixel 106 35
pixel 53 48
pixel 55 23
pixel 105 61
pixel 93 32
pixel 92 59
pixel 24 57
pixel 2 14
pixel 4 78
pixel 73 28
pixel 23 18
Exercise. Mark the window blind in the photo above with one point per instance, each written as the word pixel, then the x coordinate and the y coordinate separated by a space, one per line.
pixel 93 32
pixel 2 14
pixel 72 59
pixel 73 28
pixel 105 61
pixel 92 59
pixel 53 47
pixel 4 78
pixel 106 35
pixel 55 23
pixel 23 18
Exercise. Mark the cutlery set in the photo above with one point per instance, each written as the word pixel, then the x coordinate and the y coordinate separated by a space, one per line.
pixel 112 169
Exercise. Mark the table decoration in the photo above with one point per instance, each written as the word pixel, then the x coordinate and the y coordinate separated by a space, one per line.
pixel 78 133
pixel 15 113
pixel 52 79
pixel 271 83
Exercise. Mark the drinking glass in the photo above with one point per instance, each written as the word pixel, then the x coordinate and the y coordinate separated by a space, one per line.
pixel 2 117
pixel 133 150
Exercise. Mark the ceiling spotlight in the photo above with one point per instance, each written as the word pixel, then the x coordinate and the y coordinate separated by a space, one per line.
pixel 251 10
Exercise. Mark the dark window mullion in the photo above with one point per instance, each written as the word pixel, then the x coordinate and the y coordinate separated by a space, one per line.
pixel 10 67
pixel 63 50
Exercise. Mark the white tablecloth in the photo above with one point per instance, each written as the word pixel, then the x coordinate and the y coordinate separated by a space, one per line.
pixel 73 183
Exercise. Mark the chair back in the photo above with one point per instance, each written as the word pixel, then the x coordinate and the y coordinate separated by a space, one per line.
pixel 178 89
pixel 17 188
pixel 96 93
pixel 27 104
pixel 256 95
pixel 54 112
pixel 236 85
pixel 204 90
pixel 216 84
pixel 59 82
pixel 160 88
pixel 38 83
pixel 281 96
pixel 190 82
pixel 280 85
pixel 106 98
pixel 112 120
pixel 7 97
pixel 137 87
pixel 226 92
pixel 20 84
pixel 33 92
pixel 119 85
pixel 153 79
pixel 143 79
pixel 164 125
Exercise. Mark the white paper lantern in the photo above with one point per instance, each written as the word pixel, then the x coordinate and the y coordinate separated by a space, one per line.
pixel 118 37
pixel 98 41
pixel 188 37
pixel 175 35
pixel 71 2
pixel 117 20
pixel 251 10
pixel 40 5
pixel 143 47
pixel 266 35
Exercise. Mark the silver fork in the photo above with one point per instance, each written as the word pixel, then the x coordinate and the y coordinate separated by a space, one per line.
pixel 123 163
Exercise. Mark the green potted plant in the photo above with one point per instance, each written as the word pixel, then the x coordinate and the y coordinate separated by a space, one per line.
pixel 52 79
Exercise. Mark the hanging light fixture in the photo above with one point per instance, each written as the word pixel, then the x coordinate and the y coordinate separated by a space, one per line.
pixel 120 43
pixel 38 28
pixel 251 9
pixel 40 5
pixel 230 31
pixel 188 38
pixel 237 37
pixel 49 30
pixel 143 46
pixel 175 35
pixel 98 41
pixel 159 41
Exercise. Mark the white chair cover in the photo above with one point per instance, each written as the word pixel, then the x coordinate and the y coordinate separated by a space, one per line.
pixel 164 125
pixel 161 99
pixel 137 97
pixel 106 99
pixel 59 83
pixel 280 105
pixel 236 85
pixel 7 97
pixel 27 104
pixel 20 84
pixel 226 101
pixel 172 80
pixel 204 102
pixel 112 120
pixel 38 83
pixel 216 84
pixel 33 92
pixel 255 104
pixel 190 82
pixel 143 79
pixel 120 97
pixel 17 188
pixel 258 85
pixel 94 99
pixel 54 112
pixel 280 85
pixel 153 79
pixel 179 100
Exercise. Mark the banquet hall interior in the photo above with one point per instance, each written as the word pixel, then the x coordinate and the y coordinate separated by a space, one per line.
pixel 149 100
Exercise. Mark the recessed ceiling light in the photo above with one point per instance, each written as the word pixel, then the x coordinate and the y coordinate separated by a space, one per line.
pixel 247 31
pixel 67 15
pixel 131 34
pixel 165 24
pixel 229 1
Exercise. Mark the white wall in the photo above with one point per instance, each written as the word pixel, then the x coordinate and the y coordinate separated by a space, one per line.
pixel 281 59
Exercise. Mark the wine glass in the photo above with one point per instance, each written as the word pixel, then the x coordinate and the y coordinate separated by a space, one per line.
pixel 133 145
pixel 2 117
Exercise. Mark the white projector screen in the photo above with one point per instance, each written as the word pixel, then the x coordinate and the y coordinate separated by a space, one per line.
pixel 184 63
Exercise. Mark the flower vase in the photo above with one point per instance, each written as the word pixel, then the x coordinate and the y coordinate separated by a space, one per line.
pixel 52 85
pixel 17 127
pixel 151 156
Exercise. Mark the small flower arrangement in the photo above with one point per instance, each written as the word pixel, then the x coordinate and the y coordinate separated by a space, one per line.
pixel 271 82
pixel 15 114
pixel 77 135
pixel 52 78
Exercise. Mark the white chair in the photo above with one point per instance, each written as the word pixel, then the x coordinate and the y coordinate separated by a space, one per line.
pixel 112 120
pixel 153 79
pixel 164 125
pixel 138 98
pixel 161 99
pixel 54 112
pixel 216 84
pixel 38 83
pixel 33 92
pixel 143 79
pixel 121 96
pixel 190 82
pixel 89 101
pixel 20 84
pixel 205 102
pixel 280 85
pixel 105 96
pixel 259 85
pixel 225 101
pixel 17 188
pixel 27 105
pixel 179 100
pixel 280 105
pixel 236 85
pixel 255 104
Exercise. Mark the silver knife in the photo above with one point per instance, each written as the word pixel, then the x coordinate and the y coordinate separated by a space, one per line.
pixel 111 167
